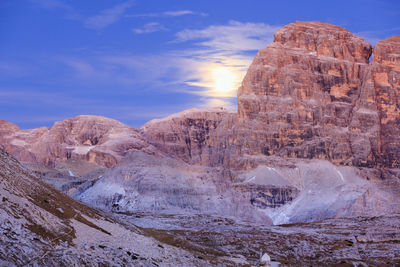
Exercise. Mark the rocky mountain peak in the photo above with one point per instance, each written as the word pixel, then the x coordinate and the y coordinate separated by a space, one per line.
pixel 96 139
pixel 325 40
pixel 387 52
pixel 312 93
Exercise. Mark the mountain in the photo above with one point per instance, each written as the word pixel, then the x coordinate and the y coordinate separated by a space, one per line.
pixel 41 226
pixel 316 136
pixel 313 93
pixel 196 136
pixel 142 183
pixel 96 139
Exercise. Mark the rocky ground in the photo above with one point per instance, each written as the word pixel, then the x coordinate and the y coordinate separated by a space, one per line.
pixel 356 241
pixel 41 226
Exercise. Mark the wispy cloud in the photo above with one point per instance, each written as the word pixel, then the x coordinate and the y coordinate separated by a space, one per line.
pixel 83 68
pixel 236 36
pixel 175 13
pixel 70 12
pixel 107 16
pixel 51 3
pixel 13 69
pixel 179 13
pixel 212 51
pixel 373 37
pixel 229 48
pixel 150 28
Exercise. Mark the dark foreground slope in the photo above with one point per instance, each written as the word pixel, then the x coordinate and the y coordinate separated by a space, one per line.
pixel 39 225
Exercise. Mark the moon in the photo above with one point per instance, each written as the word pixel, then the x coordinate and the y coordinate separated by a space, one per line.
pixel 224 80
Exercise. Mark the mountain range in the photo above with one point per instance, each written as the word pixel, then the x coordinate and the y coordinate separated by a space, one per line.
pixel 316 136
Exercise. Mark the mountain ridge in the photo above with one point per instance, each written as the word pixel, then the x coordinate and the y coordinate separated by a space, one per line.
pixel 311 96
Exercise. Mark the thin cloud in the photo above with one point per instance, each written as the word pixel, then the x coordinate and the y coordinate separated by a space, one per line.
pixel 175 13
pixel 83 68
pixel 229 47
pixel 107 16
pixel 12 69
pixel 179 13
pixel 70 12
pixel 150 28
pixel 236 36
pixel 51 3
pixel 189 70
pixel 373 37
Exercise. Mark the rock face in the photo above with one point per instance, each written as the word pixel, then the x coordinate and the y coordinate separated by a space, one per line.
pixel 145 183
pixel 385 77
pixel 263 197
pixel 312 93
pixel 96 139
pixel 197 136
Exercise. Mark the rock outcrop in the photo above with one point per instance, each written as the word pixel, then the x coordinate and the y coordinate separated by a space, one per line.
pixel 385 77
pixel 145 183
pixel 96 139
pixel 299 93
pixel 197 136
pixel 312 93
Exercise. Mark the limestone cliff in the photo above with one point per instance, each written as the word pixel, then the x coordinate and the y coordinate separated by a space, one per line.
pixel 197 136
pixel 312 93
pixel 385 78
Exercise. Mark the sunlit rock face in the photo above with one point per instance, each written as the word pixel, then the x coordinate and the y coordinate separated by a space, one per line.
pixel 95 139
pixel 312 93
pixel 197 136
pixel 385 77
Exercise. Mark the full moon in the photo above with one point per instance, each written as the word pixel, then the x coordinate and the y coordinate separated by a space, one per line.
pixel 224 80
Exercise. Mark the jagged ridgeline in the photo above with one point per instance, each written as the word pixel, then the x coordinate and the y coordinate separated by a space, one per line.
pixel 316 136
pixel 311 98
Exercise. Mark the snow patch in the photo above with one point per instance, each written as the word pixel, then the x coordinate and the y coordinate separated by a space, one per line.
pixel 60 210
pixel 281 216
pixel 114 188
pixel 102 189
pixel 119 135
pixel 341 175
pixel 272 169
pixel 17 142
pixel 366 111
pixel 250 179
pixel 70 173
pixel 83 149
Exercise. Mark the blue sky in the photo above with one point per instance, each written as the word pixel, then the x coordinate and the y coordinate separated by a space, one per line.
pixel 143 59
